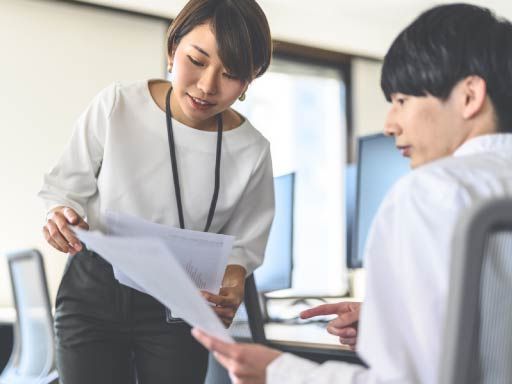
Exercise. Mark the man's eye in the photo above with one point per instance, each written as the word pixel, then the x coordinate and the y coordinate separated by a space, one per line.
pixel 195 62
pixel 400 100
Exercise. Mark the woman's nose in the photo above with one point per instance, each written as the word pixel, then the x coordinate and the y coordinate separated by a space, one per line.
pixel 208 82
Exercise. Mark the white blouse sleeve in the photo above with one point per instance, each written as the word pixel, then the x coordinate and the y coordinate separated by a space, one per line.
pixel 291 369
pixel 72 181
pixel 252 217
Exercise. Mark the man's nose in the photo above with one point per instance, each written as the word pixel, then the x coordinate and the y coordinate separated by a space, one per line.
pixel 391 125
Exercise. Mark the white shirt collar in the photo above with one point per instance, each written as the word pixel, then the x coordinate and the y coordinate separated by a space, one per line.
pixel 486 143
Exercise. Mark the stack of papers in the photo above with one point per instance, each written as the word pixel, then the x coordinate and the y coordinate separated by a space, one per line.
pixel 167 263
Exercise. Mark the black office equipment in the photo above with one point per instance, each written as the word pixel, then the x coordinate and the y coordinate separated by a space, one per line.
pixel 379 166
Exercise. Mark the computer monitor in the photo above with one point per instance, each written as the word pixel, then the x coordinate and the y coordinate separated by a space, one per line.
pixel 350 204
pixel 276 271
pixel 379 166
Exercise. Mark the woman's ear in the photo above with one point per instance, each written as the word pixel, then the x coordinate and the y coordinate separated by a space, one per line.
pixel 170 58
pixel 474 91
pixel 169 62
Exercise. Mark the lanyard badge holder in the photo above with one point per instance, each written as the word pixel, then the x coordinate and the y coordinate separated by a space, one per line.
pixel 172 149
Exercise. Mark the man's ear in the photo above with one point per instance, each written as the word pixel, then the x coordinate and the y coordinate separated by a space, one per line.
pixel 474 93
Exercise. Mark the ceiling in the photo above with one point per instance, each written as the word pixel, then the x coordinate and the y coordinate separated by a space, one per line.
pixel 363 27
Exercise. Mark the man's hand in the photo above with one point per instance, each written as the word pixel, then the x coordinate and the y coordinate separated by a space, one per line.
pixel 58 233
pixel 345 325
pixel 246 363
pixel 230 295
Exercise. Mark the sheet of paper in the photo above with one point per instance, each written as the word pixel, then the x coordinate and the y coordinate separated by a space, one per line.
pixel 204 256
pixel 160 275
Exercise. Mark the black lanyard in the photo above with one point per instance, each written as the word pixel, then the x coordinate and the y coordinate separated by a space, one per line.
pixel 175 167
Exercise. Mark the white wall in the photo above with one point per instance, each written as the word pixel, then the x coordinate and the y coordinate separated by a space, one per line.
pixel 55 57
pixel 369 107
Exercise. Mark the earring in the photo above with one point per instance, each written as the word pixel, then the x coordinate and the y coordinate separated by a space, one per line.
pixel 242 97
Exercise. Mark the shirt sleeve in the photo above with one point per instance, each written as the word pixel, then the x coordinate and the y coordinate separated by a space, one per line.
pixel 72 181
pixel 291 369
pixel 252 217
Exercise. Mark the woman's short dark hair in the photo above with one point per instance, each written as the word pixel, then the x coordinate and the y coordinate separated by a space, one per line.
pixel 241 30
pixel 446 44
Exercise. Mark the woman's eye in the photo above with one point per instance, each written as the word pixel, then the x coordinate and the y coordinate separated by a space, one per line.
pixel 230 76
pixel 195 62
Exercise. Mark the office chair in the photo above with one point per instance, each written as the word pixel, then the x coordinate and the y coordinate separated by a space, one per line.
pixel 478 328
pixel 32 360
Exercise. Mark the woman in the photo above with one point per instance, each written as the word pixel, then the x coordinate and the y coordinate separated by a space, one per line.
pixel 176 154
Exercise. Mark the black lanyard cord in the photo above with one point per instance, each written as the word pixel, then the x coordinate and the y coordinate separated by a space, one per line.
pixel 174 165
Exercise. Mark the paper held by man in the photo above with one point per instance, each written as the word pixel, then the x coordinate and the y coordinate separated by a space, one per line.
pixel 154 259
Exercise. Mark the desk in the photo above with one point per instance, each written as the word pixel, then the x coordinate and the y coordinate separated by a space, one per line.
pixel 309 340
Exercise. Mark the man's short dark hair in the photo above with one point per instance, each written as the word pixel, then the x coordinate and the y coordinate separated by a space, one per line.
pixel 446 44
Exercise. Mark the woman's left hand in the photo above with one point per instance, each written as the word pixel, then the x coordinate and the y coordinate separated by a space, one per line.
pixel 230 295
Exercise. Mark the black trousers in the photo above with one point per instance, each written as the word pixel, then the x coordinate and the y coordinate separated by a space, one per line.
pixel 108 333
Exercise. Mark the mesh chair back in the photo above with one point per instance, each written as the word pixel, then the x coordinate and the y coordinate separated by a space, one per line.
pixel 478 332
pixel 35 353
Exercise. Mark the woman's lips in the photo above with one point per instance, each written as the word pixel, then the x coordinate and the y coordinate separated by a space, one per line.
pixel 200 104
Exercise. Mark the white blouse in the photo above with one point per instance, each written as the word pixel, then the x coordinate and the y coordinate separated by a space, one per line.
pixel 408 257
pixel 118 159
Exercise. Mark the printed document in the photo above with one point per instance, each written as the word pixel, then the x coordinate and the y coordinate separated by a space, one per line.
pixel 203 255
pixel 160 275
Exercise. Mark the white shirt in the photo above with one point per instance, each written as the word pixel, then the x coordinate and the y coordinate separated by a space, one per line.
pixel 118 159
pixel 408 258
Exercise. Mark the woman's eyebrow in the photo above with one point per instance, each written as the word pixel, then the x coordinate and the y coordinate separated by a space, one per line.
pixel 201 50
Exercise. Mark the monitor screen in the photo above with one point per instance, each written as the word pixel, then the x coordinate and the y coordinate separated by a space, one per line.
pixel 350 204
pixel 379 166
pixel 276 271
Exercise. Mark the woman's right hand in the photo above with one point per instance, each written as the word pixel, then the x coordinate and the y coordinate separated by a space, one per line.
pixel 58 233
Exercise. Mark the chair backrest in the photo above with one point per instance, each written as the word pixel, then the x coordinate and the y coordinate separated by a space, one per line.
pixel 478 329
pixel 33 357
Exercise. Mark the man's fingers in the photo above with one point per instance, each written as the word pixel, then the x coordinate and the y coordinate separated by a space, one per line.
pixel 223 360
pixel 345 319
pixel 321 310
pixel 351 341
pixel 348 332
pixel 212 343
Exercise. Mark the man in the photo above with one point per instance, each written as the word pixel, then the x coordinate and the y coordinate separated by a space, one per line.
pixel 448 76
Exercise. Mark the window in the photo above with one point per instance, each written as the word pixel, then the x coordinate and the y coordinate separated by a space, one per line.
pixel 300 108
